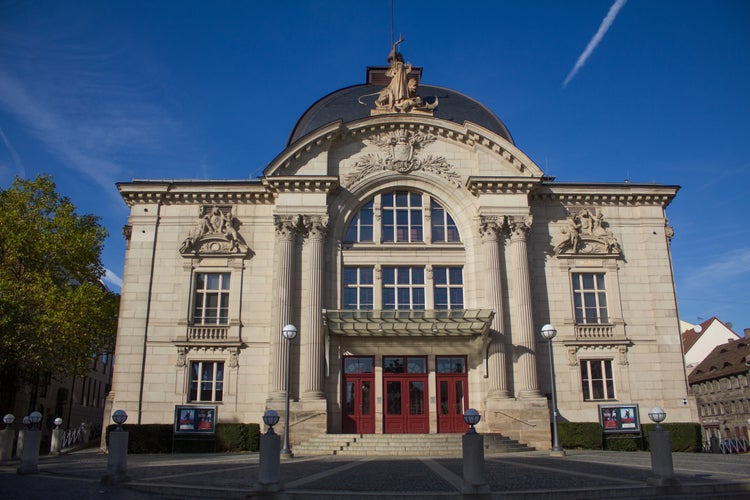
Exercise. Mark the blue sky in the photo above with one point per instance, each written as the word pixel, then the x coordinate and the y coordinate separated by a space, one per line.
pixel 100 92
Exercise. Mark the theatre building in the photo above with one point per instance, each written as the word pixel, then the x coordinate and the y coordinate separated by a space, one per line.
pixel 418 252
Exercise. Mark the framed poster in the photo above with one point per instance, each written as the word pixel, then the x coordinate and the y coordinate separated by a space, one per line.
pixel 194 419
pixel 619 418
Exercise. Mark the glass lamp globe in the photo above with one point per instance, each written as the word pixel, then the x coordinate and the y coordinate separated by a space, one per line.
pixel 271 418
pixel 472 417
pixel 119 417
pixel 657 414
pixel 8 419
pixel 35 417
pixel 549 332
pixel 58 421
pixel 289 332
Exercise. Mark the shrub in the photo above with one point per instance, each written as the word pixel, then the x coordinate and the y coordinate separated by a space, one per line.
pixel 158 438
pixel 684 436
pixel 580 435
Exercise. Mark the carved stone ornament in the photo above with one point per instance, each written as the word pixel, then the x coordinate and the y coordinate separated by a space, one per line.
pixel 586 232
pixel 216 232
pixel 400 96
pixel 401 150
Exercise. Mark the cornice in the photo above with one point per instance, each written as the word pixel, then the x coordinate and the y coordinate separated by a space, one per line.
pixel 302 184
pixel 501 185
pixel 194 192
pixel 606 194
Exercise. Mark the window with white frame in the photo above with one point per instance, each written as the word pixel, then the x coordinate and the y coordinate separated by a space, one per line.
pixel 448 287
pixel 589 298
pixel 211 299
pixel 206 381
pixel 597 380
pixel 403 288
pixel 358 288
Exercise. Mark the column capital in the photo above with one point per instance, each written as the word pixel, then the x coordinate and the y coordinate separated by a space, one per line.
pixel 520 226
pixel 315 226
pixel 287 226
pixel 491 226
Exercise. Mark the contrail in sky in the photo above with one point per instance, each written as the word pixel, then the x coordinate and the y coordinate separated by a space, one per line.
pixel 13 154
pixel 606 23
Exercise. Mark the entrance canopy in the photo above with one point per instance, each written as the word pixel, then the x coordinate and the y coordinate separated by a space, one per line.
pixel 410 323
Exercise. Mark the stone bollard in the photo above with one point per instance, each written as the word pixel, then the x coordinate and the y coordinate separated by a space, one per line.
pixel 55 444
pixel 117 460
pixel 30 452
pixel 473 465
pixel 661 459
pixel 269 468
pixel 7 436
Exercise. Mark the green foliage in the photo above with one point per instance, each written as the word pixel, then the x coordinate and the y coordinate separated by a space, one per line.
pixel 158 438
pixel 580 435
pixel 237 437
pixel 684 436
pixel 54 313
pixel 588 436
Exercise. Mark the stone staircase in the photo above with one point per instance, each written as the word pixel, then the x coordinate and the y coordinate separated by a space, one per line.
pixel 419 445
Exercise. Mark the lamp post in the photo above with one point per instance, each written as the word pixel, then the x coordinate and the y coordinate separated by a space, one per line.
pixel 7 436
pixel 117 460
pixel 549 332
pixel 473 456
pixel 269 471
pixel 289 332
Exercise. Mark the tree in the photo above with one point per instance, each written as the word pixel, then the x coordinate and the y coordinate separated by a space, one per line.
pixel 55 313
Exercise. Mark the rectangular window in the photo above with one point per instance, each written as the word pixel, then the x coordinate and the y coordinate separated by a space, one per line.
pixel 402 217
pixel 358 288
pixel 206 381
pixel 448 287
pixel 211 301
pixel 403 288
pixel 589 298
pixel 597 380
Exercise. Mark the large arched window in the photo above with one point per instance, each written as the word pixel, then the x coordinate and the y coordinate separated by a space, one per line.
pixel 385 273
pixel 404 215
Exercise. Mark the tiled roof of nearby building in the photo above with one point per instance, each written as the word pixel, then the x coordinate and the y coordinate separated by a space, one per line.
pixel 725 360
pixel 690 337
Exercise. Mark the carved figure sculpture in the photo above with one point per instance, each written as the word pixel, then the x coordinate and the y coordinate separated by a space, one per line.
pixel 586 233
pixel 215 232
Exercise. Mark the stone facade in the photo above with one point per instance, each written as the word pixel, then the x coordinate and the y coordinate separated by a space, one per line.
pixel 721 384
pixel 353 208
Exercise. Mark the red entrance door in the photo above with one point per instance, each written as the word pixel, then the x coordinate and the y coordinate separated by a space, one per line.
pixel 359 391
pixel 405 388
pixel 452 392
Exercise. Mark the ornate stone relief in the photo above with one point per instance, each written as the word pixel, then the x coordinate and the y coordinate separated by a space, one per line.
pixel 315 226
pixel 622 353
pixel 520 226
pixel 401 94
pixel 401 150
pixel 586 233
pixel 216 232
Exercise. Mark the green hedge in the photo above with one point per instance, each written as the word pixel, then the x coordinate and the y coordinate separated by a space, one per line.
pixel 158 438
pixel 589 436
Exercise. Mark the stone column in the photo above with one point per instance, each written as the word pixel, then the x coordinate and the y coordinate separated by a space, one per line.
pixel 316 227
pixel 522 318
pixel 491 231
pixel 286 232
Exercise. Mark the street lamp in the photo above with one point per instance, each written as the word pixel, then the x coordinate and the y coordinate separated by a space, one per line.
pixel 471 417
pixel 119 417
pixel 8 420
pixel 549 332
pixel 35 418
pixel 289 332
pixel 657 414
pixel 271 418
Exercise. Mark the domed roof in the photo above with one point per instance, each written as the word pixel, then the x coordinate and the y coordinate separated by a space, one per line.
pixel 345 105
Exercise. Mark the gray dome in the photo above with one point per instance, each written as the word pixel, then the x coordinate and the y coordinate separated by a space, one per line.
pixel 344 104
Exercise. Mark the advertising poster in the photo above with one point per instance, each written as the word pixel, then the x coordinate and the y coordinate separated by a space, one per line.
pixel 619 418
pixel 195 419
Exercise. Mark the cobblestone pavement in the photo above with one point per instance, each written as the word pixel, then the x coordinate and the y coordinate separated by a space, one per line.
pixel 580 474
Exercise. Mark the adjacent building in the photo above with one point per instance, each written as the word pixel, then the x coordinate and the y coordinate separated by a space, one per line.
pixel 419 252
pixel 699 341
pixel 721 385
